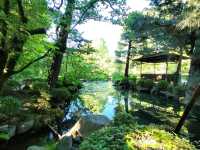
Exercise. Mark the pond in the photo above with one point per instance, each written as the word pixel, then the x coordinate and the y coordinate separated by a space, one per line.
pixel 101 97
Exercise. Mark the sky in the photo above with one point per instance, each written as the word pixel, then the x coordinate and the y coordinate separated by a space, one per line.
pixel 94 30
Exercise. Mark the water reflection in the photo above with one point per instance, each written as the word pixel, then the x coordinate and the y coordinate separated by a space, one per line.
pixel 102 98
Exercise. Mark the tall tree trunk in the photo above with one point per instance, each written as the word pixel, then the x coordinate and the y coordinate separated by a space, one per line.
pixel 3 79
pixel 4 28
pixel 127 60
pixel 178 70
pixel 194 73
pixel 193 81
pixel 190 105
pixel 65 25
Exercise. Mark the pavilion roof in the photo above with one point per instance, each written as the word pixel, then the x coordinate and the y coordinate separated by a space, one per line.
pixel 160 57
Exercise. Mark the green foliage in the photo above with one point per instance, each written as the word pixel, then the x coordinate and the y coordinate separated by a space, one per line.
pixel 42 105
pixel 13 83
pixel 132 81
pixel 146 83
pixel 162 85
pixel 4 136
pixel 134 137
pixel 116 76
pixel 180 90
pixel 60 94
pixel 39 85
pixel 122 118
pixel 83 67
pixel 9 105
pixel 120 81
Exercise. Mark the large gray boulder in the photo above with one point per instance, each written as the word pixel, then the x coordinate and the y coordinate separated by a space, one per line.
pixel 8 130
pixel 65 143
pixel 88 124
pixel 25 126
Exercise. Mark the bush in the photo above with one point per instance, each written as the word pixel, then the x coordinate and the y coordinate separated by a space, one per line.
pixel 39 85
pixel 170 88
pixel 132 82
pixel 74 83
pixel 122 82
pixel 116 77
pixel 60 94
pixel 133 137
pixel 42 105
pixel 146 83
pixel 162 85
pixel 123 118
pixel 180 90
pixel 13 83
pixel 141 82
pixel 9 105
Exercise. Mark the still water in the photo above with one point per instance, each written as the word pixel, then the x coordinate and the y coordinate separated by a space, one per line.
pixel 102 98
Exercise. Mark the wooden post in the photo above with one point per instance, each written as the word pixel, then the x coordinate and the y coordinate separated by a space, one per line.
pixel 140 69
pixel 126 101
pixel 154 71
pixel 188 108
pixel 166 74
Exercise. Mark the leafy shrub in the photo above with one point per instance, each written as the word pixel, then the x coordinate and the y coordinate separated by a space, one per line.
pixel 13 83
pixel 170 88
pixel 117 76
pixel 72 83
pixel 146 83
pixel 141 82
pixel 123 118
pixel 162 85
pixel 39 85
pixel 9 105
pixel 60 94
pixel 180 90
pixel 132 82
pixel 133 137
pixel 42 105
pixel 99 75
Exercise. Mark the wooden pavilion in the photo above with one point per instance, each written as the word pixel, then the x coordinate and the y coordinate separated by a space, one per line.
pixel 160 57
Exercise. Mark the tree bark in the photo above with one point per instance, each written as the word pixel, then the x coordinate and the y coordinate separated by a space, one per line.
pixel 194 72
pixel 127 60
pixel 190 105
pixel 61 43
pixel 4 28
pixel 3 79
pixel 178 70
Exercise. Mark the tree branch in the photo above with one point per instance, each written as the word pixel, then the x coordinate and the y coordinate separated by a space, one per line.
pixel 30 63
pixel 21 11
pixel 37 31
pixel 87 7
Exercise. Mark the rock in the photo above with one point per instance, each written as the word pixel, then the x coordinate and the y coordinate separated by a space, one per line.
pixel 35 147
pixel 7 131
pixel 65 143
pixel 25 126
pixel 88 124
